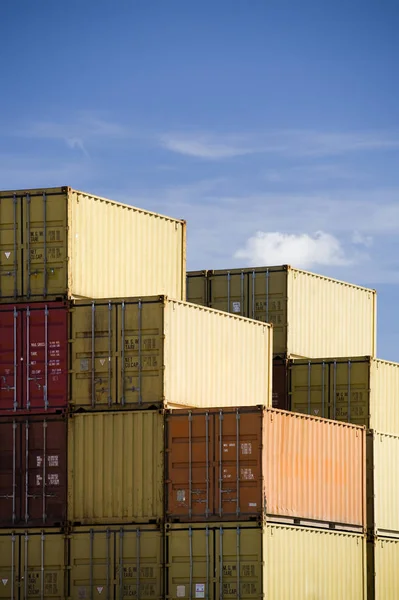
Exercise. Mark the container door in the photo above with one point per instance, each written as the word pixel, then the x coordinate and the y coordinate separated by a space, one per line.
pixel 190 475
pixel 44 477
pixel 11 363
pixel 138 564
pixel 229 292
pixel 90 569
pixel 10 248
pixel 45 365
pixel 350 391
pixel 190 564
pixel 310 388
pixel 45 258
pixel 10 473
pixel 238 461
pixel 238 564
pixel 267 300
pixel 93 356
pixel 42 566
pixel 140 354
pixel 9 566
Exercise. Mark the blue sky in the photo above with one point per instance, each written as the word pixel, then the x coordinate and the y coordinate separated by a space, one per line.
pixel 271 126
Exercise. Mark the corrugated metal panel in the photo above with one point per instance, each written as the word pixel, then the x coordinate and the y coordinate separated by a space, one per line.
pixel 384 396
pixel 386 561
pixel 159 352
pixel 314 469
pixel 232 364
pixel 310 564
pixel 251 561
pixel 385 488
pixel 359 390
pixel 32 564
pixel 33 471
pixel 116 563
pixel 312 315
pixel 56 241
pixel 34 357
pixel 115 467
pixel 329 317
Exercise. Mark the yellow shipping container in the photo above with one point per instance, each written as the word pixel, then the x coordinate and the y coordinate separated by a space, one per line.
pixel 383 572
pixel 360 390
pixel 115 467
pixel 312 315
pixel 61 243
pixel 383 484
pixel 32 564
pixel 156 352
pixel 115 563
pixel 253 561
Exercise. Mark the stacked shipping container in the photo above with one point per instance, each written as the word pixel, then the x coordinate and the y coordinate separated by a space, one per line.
pixel 140 455
pixel 57 245
pixel 313 316
pixel 361 390
pixel 242 484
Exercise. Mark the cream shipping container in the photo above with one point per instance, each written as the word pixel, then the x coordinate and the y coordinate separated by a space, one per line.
pixel 312 315
pixel 61 243
pixel 164 353
pixel 382 568
pixel 239 560
pixel 383 484
pixel 359 390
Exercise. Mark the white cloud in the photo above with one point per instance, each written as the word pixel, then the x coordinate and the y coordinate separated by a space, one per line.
pixel 303 250
pixel 288 143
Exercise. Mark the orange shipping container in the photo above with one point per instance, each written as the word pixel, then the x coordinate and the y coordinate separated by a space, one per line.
pixel 252 463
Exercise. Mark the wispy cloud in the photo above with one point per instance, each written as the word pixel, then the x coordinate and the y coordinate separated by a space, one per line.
pixel 208 147
pixel 288 143
pixel 77 132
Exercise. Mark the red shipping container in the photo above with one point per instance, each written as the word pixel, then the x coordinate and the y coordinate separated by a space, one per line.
pixel 254 463
pixel 33 357
pixel 33 471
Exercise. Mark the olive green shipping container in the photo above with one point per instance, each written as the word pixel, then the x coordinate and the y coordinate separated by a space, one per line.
pixel 32 564
pixel 115 467
pixel 311 315
pixel 360 390
pixel 156 352
pixel 254 561
pixel 111 562
pixel 61 243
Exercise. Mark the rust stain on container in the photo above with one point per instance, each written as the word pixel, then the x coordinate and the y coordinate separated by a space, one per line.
pixel 33 471
pixel 33 357
pixel 313 469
